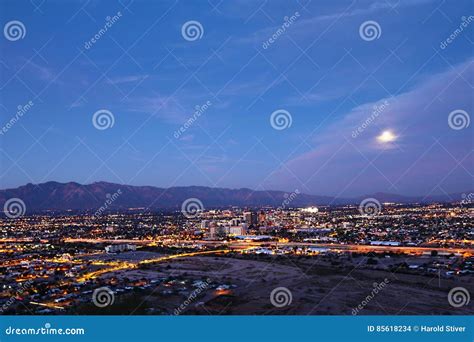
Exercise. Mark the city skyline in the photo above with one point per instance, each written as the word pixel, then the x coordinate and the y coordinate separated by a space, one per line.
pixel 360 113
pixel 348 260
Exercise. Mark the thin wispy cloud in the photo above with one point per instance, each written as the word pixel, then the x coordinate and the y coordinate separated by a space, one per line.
pixel 417 117
pixel 127 79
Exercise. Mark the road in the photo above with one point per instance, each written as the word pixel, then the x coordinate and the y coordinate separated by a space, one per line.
pixel 118 266
pixel 332 246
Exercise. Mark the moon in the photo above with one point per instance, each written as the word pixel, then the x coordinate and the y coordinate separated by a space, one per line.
pixel 386 137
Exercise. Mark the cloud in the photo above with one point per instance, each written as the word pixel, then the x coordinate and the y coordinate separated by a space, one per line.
pixel 187 137
pixel 127 79
pixel 167 108
pixel 42 72
pixel 314 97
pixel 419 118
pixel 371 8
pixel 173 109
pixel 306 25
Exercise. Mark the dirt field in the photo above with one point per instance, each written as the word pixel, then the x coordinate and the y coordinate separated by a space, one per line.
pixel 318 286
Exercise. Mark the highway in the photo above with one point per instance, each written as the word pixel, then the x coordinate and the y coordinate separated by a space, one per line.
pixel 333 246
pixel 118 266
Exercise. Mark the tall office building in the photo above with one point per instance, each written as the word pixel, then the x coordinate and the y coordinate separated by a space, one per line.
pixel 250 218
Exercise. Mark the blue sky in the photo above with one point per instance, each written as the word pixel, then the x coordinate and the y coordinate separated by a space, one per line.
pixel 319 69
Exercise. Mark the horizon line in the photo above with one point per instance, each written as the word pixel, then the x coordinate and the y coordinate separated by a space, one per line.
pixel 466 193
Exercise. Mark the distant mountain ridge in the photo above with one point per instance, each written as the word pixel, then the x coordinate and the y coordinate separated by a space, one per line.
pixel 75 196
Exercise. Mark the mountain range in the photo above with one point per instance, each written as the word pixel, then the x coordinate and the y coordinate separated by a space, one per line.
pixel 75 196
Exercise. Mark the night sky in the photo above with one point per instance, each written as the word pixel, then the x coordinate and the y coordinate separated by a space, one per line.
pixel 367 96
